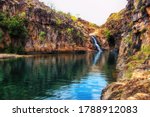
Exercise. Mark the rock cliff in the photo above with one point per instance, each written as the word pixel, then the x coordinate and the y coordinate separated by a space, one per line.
pixel 131 31
pixel 30 26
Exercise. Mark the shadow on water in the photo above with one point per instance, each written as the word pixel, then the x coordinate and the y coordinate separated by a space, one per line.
pixel 58 76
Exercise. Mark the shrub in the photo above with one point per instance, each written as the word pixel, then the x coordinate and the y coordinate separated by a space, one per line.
pixel 79 34
pixel 14 25
pixel 69 30
pixel 3 21
pixel 59 21
pixel 22 15
pixel 128 39
pixel 145 48
pixel 2 16
pixel 115 16
pixel 107 33
pixel 42 35
pixel 74 18
pixel 92 24
pixel 12 49
pixel 1 35
pixel 16 28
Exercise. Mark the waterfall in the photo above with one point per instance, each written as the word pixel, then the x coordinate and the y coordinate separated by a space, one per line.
pixel 98 54
pixel 96 44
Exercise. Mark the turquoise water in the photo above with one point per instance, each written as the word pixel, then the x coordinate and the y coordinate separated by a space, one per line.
pixel 56 76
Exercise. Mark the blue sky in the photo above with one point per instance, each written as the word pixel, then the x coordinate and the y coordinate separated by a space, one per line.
pixel 96 11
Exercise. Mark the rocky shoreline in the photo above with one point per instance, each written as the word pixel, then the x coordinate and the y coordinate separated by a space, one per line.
pixel 31 54
pixel 10 56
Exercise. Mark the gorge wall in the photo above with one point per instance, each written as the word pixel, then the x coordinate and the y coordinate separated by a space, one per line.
pixel 130 29
pixel 30 26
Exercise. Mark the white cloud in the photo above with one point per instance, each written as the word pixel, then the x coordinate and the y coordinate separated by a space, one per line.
pixel 96 11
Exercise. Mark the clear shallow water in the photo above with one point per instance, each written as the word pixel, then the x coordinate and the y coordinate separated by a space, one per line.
pixel 56 77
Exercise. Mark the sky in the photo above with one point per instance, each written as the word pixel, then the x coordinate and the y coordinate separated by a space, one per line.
pixel 95 11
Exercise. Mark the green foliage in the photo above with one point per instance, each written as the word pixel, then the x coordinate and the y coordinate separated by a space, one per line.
pixel 17 28
pixel 145 48
pixel 128 39
pixel 134 10
pixel 2 16
pixel 58 21
pixel 14 25
pixel 139 56
pixel 137 59
pixel 1 35
pixel 22 15
pixel 70 30
pixel 42 35
pixel 3 21
pixel 142 9
pixel 128 74
pixel 74 18
pixel 130 24
pixel 12 49
pixel 107 33
pixel 115 16
pixel 92 24
pixel 79 34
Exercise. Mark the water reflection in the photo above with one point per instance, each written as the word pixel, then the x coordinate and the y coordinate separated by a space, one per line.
pixel 97 56
pixel 59 76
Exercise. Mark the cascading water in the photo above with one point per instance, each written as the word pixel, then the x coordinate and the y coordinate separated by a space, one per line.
pixel 98 54
pixel 96 44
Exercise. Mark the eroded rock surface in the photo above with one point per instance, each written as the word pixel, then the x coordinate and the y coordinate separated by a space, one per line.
pixel 133 62
pixel 47 30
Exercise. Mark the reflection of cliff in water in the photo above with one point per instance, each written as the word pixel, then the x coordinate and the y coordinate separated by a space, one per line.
pixel 26 78
pixel 30 78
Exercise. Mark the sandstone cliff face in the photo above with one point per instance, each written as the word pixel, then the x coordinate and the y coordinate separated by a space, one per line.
pixel 133 62
pixel 47 30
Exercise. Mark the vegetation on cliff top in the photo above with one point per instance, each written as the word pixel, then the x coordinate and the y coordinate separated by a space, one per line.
pixel 115 16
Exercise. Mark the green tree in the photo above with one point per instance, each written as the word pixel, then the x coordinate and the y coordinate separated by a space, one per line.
pixel 17 28
pixel 14 25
